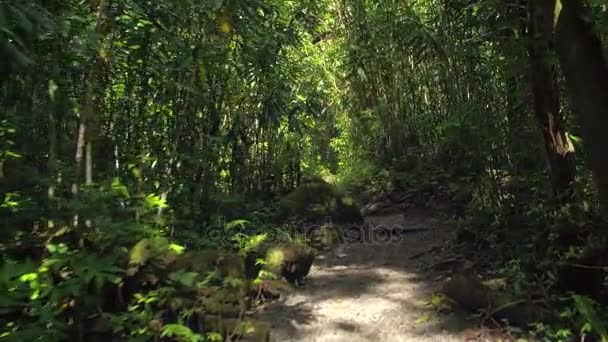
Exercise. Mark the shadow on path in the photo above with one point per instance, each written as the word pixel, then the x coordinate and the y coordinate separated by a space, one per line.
pixel 371 291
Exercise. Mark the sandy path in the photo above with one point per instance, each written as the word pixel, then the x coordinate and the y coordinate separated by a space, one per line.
pixel 370 291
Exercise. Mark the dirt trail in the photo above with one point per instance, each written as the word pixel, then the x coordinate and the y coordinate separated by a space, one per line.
pixel 371 291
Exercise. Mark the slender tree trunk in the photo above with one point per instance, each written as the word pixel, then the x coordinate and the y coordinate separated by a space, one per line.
pixel 52 158
pixel 87 119
pixel 88 129
pixel 560 152
pixel 80 143
pixel 586 71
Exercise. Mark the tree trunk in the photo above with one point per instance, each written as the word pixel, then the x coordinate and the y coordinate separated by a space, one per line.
pixel 560 152
pixel 88 130
pixel 584 66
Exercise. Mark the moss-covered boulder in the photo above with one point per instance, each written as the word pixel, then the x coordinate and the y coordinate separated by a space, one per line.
pixel 152 253
pixel 317 201
pixel 224 263
pixel 471 293
pixel 226 285
pixel 292 261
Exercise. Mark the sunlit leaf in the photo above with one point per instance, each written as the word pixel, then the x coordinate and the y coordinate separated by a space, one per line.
pixel 236 224
pixel 586 307
pixel 140 253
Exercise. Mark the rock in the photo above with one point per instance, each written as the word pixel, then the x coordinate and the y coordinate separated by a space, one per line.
pixel 227 290
pixel 150 251
pixel 222 302
pixel 225 264
pixel 469 291
pixel 318 202
pixel 292 261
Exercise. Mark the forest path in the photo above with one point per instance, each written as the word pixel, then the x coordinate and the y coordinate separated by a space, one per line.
pixel 373 291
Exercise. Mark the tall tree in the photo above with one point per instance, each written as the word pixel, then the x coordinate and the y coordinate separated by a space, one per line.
pixel 586 71
pixel 547 107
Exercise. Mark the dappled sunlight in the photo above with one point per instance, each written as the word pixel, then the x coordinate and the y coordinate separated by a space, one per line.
pixel 367 292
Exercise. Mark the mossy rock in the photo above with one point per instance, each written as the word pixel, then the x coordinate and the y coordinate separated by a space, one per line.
pixel 226 294
pixel 292 261
pixel 154 252
pixel 473 294
pixel 225 264
pixel 470 292
pixel 319 201
pixel 224 301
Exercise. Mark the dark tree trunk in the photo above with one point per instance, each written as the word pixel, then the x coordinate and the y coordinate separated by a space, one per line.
pixel 560 152
pixel 584 66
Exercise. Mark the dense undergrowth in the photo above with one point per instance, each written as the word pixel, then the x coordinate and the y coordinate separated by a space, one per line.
pixel 125 275
pixel 549 258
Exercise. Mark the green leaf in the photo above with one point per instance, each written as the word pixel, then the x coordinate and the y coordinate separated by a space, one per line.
pixel 120 188
pixel 236 224
pixel 181 333
pixel 11 154
pixel 154 201
pixel 214 336
pixel 424 319
pixel 586 308
pixel 177 248
pixel 140 253
pixel 574 138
